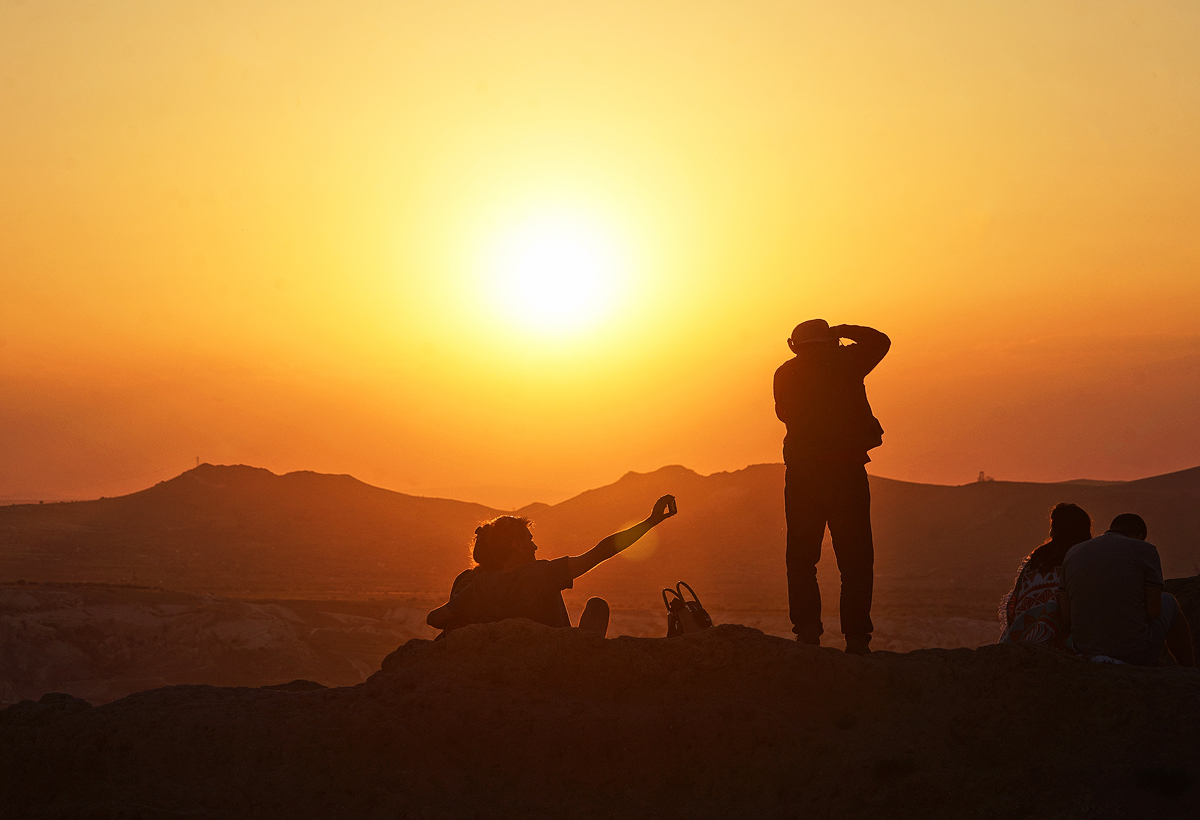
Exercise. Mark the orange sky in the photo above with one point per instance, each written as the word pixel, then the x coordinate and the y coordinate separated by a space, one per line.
pixel 264 234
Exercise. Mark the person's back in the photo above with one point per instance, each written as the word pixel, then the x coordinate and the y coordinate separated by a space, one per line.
pixel 1106 579
pixel 820 396
pixel 532 590
pixel 1029 613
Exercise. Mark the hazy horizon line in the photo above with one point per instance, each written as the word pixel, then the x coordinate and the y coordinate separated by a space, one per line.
pixel 28 498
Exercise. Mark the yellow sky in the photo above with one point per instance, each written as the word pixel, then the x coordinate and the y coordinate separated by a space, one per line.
pixel 261 233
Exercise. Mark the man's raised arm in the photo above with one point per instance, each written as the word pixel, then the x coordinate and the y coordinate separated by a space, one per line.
pixel 664 508
pixel 869 344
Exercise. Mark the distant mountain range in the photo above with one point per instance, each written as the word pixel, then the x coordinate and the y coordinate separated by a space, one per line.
pixel 238 530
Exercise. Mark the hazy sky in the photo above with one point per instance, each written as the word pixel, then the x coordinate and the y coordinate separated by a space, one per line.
pixel 284 234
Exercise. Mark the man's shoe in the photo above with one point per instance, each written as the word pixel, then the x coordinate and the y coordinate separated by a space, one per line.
pixel 858 645
pixel 810 641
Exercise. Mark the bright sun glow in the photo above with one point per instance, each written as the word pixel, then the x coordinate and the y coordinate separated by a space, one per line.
pixel 556 272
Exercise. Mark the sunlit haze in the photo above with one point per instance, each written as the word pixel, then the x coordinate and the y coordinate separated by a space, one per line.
pixel 554 272
pixel 530 246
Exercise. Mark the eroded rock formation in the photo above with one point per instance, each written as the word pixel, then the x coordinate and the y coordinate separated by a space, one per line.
pixel 101 643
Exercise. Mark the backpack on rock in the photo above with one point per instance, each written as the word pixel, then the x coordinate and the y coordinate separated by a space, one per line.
pixel 684 616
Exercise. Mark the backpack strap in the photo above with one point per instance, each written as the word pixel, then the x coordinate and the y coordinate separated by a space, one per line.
pixel 679 592
pixel 667 601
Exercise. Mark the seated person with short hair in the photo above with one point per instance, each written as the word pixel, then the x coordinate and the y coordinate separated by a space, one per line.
pixel 1112 599
pixel 509 581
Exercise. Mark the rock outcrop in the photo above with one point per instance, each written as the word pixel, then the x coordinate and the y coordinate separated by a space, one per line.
pixel 518 720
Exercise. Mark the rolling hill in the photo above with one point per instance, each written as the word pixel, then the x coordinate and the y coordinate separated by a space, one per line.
pixel 244 531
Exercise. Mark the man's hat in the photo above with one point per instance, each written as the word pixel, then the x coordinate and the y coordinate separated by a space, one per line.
pixel 814 330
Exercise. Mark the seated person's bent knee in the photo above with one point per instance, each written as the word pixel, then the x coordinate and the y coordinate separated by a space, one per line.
pixel 595 617
pixel 1160 628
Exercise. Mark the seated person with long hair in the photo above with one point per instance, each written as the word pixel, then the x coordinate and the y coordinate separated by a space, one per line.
pixel 1030 611
pixel 509 581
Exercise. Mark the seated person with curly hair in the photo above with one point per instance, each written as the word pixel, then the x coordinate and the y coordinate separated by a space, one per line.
pixel 509 581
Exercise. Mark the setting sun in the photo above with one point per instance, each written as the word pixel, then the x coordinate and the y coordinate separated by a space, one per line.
pixel 363 238
pixel 556 272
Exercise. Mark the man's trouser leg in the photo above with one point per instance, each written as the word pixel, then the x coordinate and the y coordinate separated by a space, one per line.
pixel 850 528
pixel 804 504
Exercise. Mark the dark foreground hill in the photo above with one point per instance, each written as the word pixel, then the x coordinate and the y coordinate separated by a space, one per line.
pixel 247 532
pixel 519 720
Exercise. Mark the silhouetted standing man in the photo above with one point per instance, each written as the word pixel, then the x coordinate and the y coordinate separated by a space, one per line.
pixel 821 398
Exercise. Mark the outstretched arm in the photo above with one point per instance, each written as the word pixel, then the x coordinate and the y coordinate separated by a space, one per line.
pixel 870 345
pixel 664 508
